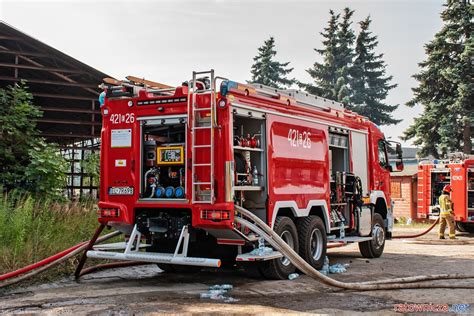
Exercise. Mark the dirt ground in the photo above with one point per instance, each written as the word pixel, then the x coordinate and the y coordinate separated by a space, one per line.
pixel 145 289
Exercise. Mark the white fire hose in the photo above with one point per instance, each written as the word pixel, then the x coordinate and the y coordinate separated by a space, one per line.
pixel 262 229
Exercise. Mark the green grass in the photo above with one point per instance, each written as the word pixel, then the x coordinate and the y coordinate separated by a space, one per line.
pixel 32 229
pixel 413 224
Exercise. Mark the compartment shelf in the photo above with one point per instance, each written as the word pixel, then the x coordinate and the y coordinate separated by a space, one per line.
pixel 247 149
pixel 247 188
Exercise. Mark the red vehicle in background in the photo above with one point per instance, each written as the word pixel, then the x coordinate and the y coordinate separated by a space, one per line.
pixel 175 162
pixel 457 171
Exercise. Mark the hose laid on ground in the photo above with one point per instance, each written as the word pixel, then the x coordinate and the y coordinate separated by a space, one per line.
pixel 81 247
pixel 112 265
pixel 38 264
pixel 420 234
pixel 400 283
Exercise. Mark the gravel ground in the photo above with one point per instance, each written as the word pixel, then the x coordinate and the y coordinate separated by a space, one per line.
pixel 145 289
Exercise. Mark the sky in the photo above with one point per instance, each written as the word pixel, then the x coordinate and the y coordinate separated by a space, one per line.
pixel 165 41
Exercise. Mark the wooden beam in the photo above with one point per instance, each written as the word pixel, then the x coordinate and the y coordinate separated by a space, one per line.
pixel 8 65
pixel 57 121
pixel 56 83
pixel 94 92
pixel 12 38
pixel 53 135
pixel 17 52
pixel 68 110
pixel 61 96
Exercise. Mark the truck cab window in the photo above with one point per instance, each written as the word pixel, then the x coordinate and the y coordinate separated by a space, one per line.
pixel 382 154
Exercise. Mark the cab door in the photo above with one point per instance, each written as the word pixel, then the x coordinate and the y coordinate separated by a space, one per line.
pixel 382 169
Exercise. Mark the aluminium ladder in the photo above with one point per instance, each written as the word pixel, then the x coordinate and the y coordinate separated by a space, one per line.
pixel 204 130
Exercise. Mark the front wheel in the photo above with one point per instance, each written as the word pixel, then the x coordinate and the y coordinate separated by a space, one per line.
pixel 280 269
pixel 465 227
pixel 374 248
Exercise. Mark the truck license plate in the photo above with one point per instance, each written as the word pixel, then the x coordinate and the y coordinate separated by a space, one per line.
pixel 121 191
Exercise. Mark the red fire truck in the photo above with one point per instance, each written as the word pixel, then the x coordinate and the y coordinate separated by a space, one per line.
pixel 175 162
pixel 457 171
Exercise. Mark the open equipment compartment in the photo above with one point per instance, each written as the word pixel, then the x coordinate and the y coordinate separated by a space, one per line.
pixel 250 172
pixel 470 194
pixel 439 178
pixel 163 171
pixel 340 175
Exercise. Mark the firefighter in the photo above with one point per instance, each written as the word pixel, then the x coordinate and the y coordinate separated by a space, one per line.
pixel 446 216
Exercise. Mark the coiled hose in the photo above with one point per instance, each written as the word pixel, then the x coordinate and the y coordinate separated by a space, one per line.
pixel 50 263
pixel 276 242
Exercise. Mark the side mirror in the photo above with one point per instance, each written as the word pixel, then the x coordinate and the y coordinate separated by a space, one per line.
pixel 399 150
pixel 399 165
pixel 396 155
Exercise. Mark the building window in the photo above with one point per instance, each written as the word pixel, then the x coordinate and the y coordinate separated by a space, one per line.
pixel 396 189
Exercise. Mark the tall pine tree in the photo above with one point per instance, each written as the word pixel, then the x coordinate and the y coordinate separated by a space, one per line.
pixel 325 73
pixel 370 85
pixel 445 88
pixel 344 57
pixel 267 71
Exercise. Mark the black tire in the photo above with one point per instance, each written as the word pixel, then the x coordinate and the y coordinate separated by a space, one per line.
pixel 312 240
pixel 280 269
pixel 374 248
pixel 465 227
pixel 168 268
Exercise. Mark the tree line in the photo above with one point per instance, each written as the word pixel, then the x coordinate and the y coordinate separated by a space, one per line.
pixel 353 73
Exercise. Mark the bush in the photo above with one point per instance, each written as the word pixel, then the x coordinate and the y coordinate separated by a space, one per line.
pixel 27 162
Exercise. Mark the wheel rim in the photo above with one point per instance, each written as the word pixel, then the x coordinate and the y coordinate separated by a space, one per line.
pixel 316 244
pixel 379 236
pixel 287 238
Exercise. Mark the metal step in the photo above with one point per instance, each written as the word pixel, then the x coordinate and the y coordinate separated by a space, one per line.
pixel 116 246
pixel 350 239
pixel 250 257
pixel 155 257
pixel 194 183
pixel 202 146
pixel 204 92
pixel 202 127
pixel 201 164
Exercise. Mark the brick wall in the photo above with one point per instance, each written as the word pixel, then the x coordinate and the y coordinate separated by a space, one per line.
pixel 402 188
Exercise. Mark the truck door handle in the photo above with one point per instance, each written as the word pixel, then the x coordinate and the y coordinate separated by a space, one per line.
pixel 132 164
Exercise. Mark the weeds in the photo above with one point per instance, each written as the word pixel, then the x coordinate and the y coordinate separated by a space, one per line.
pixel 32 229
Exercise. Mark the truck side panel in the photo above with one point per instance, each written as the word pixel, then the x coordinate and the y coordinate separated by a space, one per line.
pixel 297 163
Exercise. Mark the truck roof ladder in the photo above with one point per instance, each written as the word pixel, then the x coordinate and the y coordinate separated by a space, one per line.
pixel 300 97
pixel 204 131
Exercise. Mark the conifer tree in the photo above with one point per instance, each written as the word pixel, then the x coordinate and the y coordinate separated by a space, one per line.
pixel 325 73
pixel 267 71
pixel 332 77
pixel 370 84
pixel 445 87
pixel 344 57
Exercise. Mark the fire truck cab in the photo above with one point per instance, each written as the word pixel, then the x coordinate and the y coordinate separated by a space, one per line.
pixel 176 160
pixel 458 171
